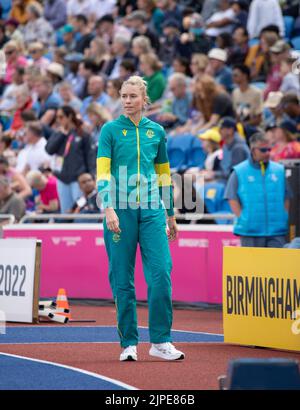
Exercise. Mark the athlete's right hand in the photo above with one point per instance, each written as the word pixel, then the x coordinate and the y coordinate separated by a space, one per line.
pixel 112 220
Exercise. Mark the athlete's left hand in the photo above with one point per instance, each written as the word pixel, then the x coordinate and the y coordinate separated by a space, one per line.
pixel 172 228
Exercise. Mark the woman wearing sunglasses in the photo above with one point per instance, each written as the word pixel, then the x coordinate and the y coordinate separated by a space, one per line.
pixel 259 197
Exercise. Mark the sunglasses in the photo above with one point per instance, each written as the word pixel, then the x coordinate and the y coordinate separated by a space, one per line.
pixel 264 150
pixel 9 52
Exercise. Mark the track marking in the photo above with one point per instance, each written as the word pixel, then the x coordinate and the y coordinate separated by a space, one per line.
pixel 75 369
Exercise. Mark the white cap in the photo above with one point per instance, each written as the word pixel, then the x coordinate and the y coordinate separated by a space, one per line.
pixel 218 54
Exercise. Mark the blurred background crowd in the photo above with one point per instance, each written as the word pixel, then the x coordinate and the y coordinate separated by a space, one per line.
pixel 218 71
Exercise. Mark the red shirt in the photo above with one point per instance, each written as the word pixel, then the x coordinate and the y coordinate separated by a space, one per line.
pixel 49 193
pixel 17 122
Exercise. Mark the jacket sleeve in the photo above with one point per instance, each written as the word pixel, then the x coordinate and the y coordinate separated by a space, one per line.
pixel 55 143
pixel 89 154
pixel 104 166
pixel 162 169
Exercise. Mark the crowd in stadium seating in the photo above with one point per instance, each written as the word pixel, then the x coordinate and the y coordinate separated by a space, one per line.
pixel 217 72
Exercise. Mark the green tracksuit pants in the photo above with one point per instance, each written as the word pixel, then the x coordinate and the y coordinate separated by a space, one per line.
pixel 148 228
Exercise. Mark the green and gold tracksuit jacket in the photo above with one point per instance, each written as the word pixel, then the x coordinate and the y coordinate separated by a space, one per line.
pixel 133 169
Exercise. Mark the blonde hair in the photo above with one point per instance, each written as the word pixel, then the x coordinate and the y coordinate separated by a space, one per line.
pixel 143 43
pixel 138 81
pixel 34 178
pixel 100 111
pixel 152 60
pixel 201 60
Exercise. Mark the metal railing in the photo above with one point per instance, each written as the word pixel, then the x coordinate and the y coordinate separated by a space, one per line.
pixel 53 218
pixel 7 217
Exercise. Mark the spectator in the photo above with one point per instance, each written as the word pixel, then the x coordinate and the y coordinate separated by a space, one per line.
pixel 16 179
pixel 69 41
pixel 96 92
pixel 3 37
pixel 258 57
pixel 19 11
pixel 261 14
pixel 97 116
pixel 87 69
pixel 247 100
pixel 221 21
pixel 224 41
pixel 120 50
pixel 199 63
pixel 87 203
pixel 12 31
pixel 34 155
pixel 239 50
pixel 59 54
pixel 14 59
pixel 113 88
pixel 23 103
pixel 209 7
pixel 77 81
pixel 210 104
pixel 279 51
pixel 170 42
pixel 211 145
pixel 155 14
pixel 10 202
pixel 8 99
pixel 83 30
pixel 68 97
pixel 107 29
pixel 55 72
pixel 218 69
pixel 127 69
pixel 82 7
pixel 180 103
pixel 286 144
pixel 235 149
pixel 291 107
pixel 272 111
pixel 290 80
pixel 37 28
pixel 98 51
pixel 36 52
pixel 6 151
pixel 47 200
pixel 47 102
pixel 141 45
pixel 259 197
pixel 193 40
pixel 151 68
pixel 138 22
pixel 240 8
pixel 74 155
pixel 56 13
pixel 181 65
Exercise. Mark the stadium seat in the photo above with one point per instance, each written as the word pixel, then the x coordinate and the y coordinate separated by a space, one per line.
pixel 259 84
pixel 296 42
pixel 289 22
pixel 261 374
pixel 178 151
pixel 197 155
pixel 213 196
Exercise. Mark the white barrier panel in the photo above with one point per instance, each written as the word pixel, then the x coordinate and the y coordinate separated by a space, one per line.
pixel 19 279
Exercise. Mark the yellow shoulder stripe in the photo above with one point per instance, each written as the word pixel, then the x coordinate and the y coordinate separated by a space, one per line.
pixel 103 168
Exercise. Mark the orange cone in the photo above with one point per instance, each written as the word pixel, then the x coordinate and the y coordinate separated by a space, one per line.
pixel 62 304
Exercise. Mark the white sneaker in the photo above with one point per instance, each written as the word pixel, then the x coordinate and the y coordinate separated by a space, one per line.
pixel 129 354
pixel 166 351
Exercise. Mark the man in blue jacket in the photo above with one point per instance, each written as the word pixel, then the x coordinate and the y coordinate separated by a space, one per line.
pixel 259 197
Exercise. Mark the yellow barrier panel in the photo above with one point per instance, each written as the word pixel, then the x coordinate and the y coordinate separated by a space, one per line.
pixel 261 297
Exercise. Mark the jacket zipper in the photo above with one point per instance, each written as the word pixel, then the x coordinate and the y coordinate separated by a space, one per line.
pixel 138 158
pixel 263 171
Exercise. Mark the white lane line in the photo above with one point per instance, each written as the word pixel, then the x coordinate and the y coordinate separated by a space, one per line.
pixel 75 369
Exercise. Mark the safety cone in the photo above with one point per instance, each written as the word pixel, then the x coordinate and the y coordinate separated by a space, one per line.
pixel 62 304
